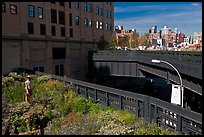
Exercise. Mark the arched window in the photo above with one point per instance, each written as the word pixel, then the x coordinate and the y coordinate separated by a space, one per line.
pixel 3 7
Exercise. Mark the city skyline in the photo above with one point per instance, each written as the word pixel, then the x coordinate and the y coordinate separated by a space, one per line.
pixel 185 16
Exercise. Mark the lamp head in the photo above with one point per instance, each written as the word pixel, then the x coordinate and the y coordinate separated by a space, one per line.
pixel 155 61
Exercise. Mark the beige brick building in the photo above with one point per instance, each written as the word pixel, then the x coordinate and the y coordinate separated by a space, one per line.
pixel 53 37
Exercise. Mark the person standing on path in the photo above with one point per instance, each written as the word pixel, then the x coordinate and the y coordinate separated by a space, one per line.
pixel 28 89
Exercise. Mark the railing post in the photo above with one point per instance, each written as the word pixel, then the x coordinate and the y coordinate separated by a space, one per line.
pixel 120 101
pixel 86 92
pixel 179 123
pixel 137 108
pixel 146 109
pixel 107 99
pixel 95 99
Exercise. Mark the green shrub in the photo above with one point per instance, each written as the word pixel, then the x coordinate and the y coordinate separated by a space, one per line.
pixel 56 126
pixel 16 76
pixel 44 78
pixel 94 108
pixel 7 82
pixel 15 93
pixel 66 108
pixel 127 117
pixel 80 105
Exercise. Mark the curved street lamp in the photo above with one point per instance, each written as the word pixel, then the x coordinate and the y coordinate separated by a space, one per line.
pixel 162 61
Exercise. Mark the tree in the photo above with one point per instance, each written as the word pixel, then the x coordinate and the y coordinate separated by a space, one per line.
pixel 135 41
pixel 145 40
pixel 123 41
pixel 102 43
pixel 112 43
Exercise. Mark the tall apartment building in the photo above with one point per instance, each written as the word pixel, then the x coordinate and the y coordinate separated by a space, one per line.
pixel 53 37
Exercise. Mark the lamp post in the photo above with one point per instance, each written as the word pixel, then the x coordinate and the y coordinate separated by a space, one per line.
pixel 162 61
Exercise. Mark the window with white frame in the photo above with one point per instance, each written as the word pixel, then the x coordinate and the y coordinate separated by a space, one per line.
pixel 90 23
pixel 97 24
pixel 101 25
pixel 77 20
pixel 40 12
pixel 13 9
pixel 86 22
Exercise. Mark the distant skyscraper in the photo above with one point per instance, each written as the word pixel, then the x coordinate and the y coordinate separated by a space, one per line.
pixel 176 30
pixel 153 29
pixel 165 30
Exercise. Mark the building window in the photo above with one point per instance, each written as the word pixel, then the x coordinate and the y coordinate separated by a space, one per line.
pixel 90 7
pixel 77 4
pixel 110 26
pixel 106 26
pixel 77 20
pixel 30 28
pixel 90 23
pixel 86 22
pixel 97 24
pixel 97 10
pixel 101 12
pixel 109 14
pixel 70 19
pixel 31 11
pixel 53 16
pixel 61 3
pixel 61 17
pixel 101 25
pixel 62 31
pixel 108 3
pixel 58 53
pixel 13 9
pixel 85 6
pixel 3 7
pixel 106 13
pixel 40 68
pixel 59 70
pixel 53 31
pixel 71 32
pixel 40 12
pixel 42 29
pixel 70 5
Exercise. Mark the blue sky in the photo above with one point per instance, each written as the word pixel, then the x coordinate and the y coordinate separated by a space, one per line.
pixel 186 16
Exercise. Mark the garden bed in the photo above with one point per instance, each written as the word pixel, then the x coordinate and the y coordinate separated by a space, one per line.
pixel 59 110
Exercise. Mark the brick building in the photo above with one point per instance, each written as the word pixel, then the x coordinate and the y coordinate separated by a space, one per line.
pixel 120 33
pixel 53 37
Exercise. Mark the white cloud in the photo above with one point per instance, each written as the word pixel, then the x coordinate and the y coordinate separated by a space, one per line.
pixel 182 20
pixel 196 4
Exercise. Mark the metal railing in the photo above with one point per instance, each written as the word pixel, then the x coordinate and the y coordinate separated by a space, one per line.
pixel 151 109
pixel 183 56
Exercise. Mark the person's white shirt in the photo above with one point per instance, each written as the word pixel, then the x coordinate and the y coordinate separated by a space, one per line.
pixel 27 82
